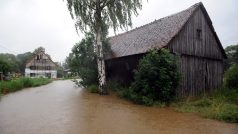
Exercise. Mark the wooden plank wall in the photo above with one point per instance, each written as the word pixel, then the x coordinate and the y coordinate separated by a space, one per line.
pixel 201 58
pixel 187 42
pixel 199 75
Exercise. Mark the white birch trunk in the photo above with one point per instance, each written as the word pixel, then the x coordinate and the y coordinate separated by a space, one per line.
pixel 101 64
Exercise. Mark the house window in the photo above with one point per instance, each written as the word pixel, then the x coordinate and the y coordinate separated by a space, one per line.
pixel 38 57
pixel 32 74
pixel 33 67
pixel 199 34
pixel 48 67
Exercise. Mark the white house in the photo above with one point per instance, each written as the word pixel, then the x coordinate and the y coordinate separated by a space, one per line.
pixel 41 65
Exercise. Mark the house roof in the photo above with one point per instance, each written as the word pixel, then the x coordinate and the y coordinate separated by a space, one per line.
pixel 35 54
pixel 154 35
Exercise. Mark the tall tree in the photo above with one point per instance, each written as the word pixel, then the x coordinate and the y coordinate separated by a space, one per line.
pixel 23 58
pixel 82 61
pixel 97 16
pixel 232 54
pixel 11 60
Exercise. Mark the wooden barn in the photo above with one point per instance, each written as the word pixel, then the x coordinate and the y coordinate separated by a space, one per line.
pixel 188 34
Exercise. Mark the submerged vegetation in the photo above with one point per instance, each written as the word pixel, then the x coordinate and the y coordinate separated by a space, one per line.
pixel 20 83
pixel 222 105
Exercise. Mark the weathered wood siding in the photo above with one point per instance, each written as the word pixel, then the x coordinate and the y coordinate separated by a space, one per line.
pixel 188 42
pixel 201 57
pixel 199 75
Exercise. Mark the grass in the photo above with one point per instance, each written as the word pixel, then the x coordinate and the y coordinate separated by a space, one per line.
pixel 92 88
pixel 20 83
pixel 223 105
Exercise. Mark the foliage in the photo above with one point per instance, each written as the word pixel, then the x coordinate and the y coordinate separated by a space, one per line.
pixel 92 88
pixel 82 61
pixel 4 66
pixel 232 55
pixel 103 13
pixel 23 58
pixel 156 79
pixel 221 106
pixel 231 77
pixel 9 63
pixel 97 16
pixel 23 82
pixel 60 70
pixel 12 63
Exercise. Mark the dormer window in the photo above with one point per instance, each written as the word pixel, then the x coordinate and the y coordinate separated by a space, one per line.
pixel 199 34
pixel 38 57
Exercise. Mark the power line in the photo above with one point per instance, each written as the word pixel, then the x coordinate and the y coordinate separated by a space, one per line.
pixel 8 49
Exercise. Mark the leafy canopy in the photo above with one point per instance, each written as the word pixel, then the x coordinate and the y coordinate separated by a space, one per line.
pixel 82 61
pixel 92 14
pixel 232 54
pixel 231 77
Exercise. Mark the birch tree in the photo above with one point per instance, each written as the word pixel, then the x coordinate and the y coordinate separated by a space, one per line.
pixel 98 16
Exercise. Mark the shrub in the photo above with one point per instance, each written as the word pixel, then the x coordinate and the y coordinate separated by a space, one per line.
pixel 93 89
pixel 156 78
pixel 17 84
pixel 231 77
pixel 27 82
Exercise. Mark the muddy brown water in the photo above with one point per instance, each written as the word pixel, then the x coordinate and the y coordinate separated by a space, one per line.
pixel 62 108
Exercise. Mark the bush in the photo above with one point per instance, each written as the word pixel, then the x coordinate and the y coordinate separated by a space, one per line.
pixel 93 89
pixel 231 77
pixel 156 79
pixel 27 82
pixel 17 84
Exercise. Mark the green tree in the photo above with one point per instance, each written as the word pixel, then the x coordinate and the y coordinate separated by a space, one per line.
pixel 11 61
pixel 156 78
pixel 82 61
pixel 23 58
pixel 97 16
pixel 232 55
pixel 4 66
pixel 231 77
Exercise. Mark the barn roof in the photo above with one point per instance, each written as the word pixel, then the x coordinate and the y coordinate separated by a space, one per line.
pixel 154 35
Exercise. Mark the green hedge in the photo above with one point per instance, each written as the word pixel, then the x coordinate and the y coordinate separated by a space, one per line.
pixel 23 82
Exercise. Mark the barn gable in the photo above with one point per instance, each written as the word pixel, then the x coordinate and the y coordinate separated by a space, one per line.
pixel 198 37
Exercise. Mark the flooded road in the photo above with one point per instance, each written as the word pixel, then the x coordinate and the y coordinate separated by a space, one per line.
pixel 62 108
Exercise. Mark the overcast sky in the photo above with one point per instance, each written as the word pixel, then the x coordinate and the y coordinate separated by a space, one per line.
pixel 28 24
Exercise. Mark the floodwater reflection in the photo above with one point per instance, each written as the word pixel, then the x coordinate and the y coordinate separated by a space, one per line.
pixel 62 108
